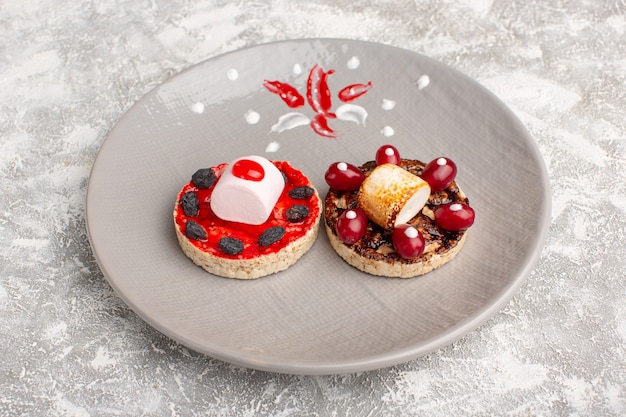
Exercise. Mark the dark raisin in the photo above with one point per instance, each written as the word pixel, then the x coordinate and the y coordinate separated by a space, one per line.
pixel 194 231
pixel 230 245
pixel 190 203
pixel 300 193
pixel 204 178
pixel 271 235
pixel 297 213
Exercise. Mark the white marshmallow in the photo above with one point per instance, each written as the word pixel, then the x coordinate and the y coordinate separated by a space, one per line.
pixel 241 196
pixel 391 196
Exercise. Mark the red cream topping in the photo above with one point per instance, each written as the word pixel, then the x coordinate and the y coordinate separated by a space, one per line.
pixel 217 228
pixel 247 169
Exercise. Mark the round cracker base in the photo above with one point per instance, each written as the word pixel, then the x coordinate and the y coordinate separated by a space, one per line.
pixel 388 268
pixel 249 268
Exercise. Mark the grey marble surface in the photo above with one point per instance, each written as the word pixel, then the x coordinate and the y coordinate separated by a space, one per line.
pixel 70 347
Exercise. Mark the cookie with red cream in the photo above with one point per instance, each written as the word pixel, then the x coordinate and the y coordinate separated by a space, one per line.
pixel 248 218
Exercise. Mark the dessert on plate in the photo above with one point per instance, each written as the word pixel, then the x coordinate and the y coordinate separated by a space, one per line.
pixel 396 217
pixel 248 218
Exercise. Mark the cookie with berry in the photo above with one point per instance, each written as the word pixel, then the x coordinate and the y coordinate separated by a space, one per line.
pixel 396 217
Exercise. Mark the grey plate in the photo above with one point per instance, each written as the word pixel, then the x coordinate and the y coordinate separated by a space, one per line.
pixel 321 316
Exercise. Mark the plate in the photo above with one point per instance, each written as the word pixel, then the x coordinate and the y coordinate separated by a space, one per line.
pixel 321 316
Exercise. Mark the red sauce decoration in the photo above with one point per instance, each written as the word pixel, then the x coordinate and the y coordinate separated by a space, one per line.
pixel 317 91
pixel 247 169
pixel 318 96
pixel 217 228
pixel 286 92
pixel 354 91
pixel 319 124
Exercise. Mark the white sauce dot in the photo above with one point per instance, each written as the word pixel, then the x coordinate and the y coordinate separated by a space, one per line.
pixel 351 214
pixel 410 232
pixel 423 82
pixel 389 152
pixel 441 161
pixel 342 166
pixel 272 147
pixel 232 74
pixel 354 62
pixel 456 207
pixel 387 104
pixel 387 131
pixel 197 108
pixel 297 69
pixel 252 117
